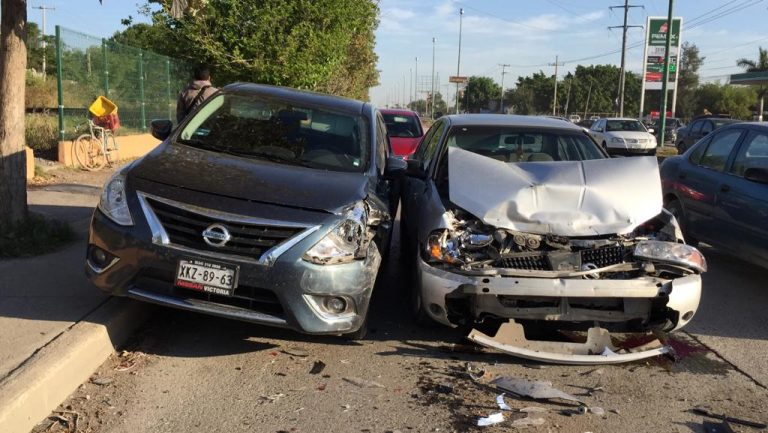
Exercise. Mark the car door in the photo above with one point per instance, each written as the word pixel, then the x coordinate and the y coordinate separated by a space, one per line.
pixel 702 179
pixel 694 129
pixel 744 203
pixel 596 131
pixel 415 183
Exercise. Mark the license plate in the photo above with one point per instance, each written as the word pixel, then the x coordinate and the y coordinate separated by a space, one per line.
pixel 204 276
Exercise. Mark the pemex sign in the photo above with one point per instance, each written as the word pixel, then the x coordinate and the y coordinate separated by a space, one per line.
pixel 655 48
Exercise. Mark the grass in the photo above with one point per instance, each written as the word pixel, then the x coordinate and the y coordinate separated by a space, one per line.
pixel 42 131
pixel 666 151
pixel 33 236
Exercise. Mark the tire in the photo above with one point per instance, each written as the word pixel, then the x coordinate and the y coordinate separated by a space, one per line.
pixel 676 208
pixel 88 153
pixel 651 152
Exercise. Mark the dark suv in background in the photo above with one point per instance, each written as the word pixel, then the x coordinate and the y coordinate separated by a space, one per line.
pixel 698 128
pixel 268 205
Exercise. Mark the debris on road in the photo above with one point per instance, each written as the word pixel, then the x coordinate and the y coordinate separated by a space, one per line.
pixel 500 401
pixel 598 349
pixel 362 383
pixel 317 367
pixel 445 388
pixel 475 373
pixel 296 351
pixel 528 421
pixel 102 381
pixel 599 411
pixel 491 419
pixel 708 413
pixel 537 390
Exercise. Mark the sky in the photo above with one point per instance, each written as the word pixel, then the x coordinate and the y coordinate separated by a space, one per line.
pixel 526 34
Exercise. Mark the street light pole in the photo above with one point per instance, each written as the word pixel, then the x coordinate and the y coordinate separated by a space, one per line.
pixel 416 81
pixel 410 86
pixel 665 75
pixel 45 45
pixel 432 109
pixel 458 65
pixel 501 98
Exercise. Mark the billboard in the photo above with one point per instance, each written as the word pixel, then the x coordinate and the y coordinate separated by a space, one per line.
pixel 655 48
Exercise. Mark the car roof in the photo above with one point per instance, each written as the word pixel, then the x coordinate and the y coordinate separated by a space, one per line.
pixel 621 118
pixel 305 96
pixel 509 120
pixel 398 111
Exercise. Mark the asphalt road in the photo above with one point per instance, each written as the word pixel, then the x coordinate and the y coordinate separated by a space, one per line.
pixel 188 372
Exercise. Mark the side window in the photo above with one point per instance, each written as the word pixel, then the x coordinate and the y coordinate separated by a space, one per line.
pixel 719 149
pixel 597 125
pixel 419 154
pixel 706 127
pixel 753 153
pixel 698 151
pixel 696 127
pixel 382 143
pixel 429 146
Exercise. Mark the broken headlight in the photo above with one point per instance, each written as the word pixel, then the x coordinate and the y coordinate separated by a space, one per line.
pixel 345 243
pixel 671 252
pixel 114 203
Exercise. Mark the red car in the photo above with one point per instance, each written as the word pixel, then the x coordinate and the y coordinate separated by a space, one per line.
pixel 404 130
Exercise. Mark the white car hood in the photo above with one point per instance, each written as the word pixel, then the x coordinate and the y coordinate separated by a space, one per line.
pixel 566 198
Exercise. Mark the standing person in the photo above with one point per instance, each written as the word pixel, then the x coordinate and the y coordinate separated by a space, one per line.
pixel 197 91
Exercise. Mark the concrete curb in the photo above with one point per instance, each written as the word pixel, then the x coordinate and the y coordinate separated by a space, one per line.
pixel 52 373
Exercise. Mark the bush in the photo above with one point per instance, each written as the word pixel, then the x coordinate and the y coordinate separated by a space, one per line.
pixel 41 131
pixel 35 235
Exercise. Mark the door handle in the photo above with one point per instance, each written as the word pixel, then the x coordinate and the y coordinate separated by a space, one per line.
pixel 725 188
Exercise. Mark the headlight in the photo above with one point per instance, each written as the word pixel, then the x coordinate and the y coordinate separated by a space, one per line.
pixel 114 202
pixel 671 252
pixel 345 243
pixel 617 140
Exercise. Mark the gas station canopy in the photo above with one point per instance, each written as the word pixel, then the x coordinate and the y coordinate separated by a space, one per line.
pixel 750 78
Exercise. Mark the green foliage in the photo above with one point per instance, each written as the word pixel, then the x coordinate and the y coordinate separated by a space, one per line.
pixel 32 236
pixel 321 45
pixel 41 131
pixel 482 95
pixel 688 80
pixel 727 99
pixel 35 50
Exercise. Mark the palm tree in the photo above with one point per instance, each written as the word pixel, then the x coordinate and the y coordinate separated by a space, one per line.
pixel 761 65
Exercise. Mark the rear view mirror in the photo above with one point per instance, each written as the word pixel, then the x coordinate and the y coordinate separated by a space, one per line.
pixel 414 169
pixel 160 128
pixel 756 174
pixel 395 166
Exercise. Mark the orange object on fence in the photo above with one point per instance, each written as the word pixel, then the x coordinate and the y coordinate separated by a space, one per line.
pixel 105 113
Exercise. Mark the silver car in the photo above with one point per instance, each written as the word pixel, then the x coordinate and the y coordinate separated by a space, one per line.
pixel 526 218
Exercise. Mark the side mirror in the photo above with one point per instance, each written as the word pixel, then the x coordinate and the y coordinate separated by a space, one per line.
pixel 651 130
pixel 161 128
pixel 414 169
pixel 756 174
pixel 395 167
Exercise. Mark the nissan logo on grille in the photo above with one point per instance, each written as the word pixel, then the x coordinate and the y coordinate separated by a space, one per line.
pixel 216 235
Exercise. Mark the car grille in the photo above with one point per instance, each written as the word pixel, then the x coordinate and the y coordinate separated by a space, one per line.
pixel 252 298
pixel 538 261
pixel 251 240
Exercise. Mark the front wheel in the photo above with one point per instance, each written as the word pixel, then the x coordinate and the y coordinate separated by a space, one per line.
pixel 89 153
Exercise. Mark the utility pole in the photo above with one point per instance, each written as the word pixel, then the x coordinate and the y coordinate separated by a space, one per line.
pixel 458 64
pixel 504 66
pixel 416 81
pixel 410 86
pixel 665 75
pixel 554 103
pixel 432 110
pixel 568 98
pixel 44 9
pixel 624 28
pixel 589 93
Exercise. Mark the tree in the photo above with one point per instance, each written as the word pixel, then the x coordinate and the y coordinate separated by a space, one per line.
pixel 35 50
pixel 688 80
pixel 759 65
pixel 481 93
pixel 13 66
pixel 726 99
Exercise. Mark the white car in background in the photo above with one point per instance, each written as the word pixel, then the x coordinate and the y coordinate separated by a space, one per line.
pixel 623 136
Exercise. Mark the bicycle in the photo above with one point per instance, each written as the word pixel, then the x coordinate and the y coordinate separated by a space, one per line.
pixel 97 148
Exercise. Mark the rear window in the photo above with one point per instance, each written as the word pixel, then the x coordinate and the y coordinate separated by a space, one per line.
pixel 280 131
pixel 510 144
pixel 403 126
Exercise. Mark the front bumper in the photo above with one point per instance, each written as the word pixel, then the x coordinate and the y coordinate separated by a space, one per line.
pixel 648 303
pixel 282 293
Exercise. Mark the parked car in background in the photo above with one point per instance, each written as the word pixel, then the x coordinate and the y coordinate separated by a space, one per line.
pixel 718 190
pixel 266 204
pixel 672 124
pixel 623 136
pixel 404 130
pixel 698 128
pixel 526 218
pixel 585 123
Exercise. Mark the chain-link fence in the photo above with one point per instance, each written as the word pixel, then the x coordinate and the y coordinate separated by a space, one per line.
pixel 144 85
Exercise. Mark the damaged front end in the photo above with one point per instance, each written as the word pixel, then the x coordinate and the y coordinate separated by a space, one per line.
pixel 623 281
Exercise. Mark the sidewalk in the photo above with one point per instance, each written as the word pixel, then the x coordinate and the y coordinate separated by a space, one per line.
pixel 50 313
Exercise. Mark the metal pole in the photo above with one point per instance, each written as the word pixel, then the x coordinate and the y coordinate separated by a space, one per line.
pixel 568 98
pixel 623 56
pixel 586 105
pixel 410 86
pixel 501 99
pixel 458 64
pixel 433 78
pixel 141 91
pixel 645 67
pixel 59 88
pixel 416 80
pixel 554 103
pixel 168 88
pixel 105 64
pixel 45 44
pixel 665 76
pixel 677 69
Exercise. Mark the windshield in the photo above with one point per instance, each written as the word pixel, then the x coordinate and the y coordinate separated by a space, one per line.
pixel 624 125
pixel 720 122
pixel 511 144
pixel 279 131
pixel 399 125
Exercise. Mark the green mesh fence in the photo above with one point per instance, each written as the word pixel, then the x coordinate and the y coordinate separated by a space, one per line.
pixel 144 85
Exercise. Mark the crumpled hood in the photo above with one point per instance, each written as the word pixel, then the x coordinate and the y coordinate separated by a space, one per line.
pixel 566 198
pixel 251 179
